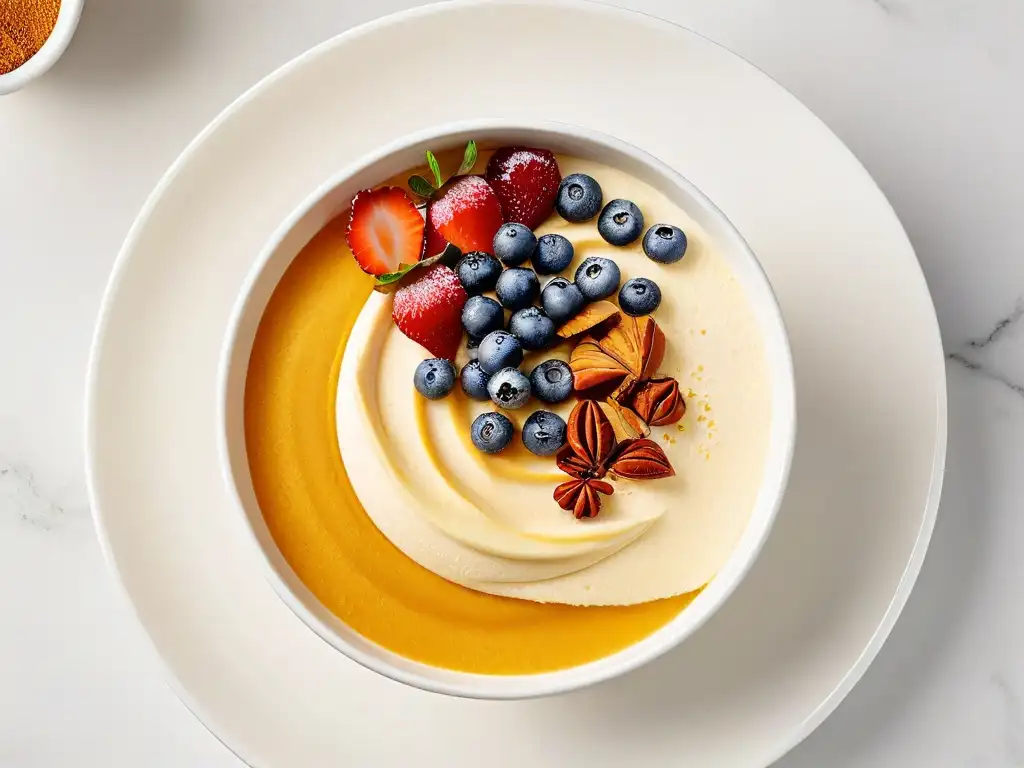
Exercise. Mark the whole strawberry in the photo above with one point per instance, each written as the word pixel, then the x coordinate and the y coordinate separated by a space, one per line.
pixel 429 310
pixel 462 210
pixel 467 214
pixel 526 182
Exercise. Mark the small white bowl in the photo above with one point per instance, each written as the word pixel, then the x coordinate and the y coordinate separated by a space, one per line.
pixel 332 198
pixel 54 47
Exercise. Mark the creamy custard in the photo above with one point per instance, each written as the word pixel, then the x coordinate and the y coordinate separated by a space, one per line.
pixel 490 523
pixel 307 497
pixel 320 528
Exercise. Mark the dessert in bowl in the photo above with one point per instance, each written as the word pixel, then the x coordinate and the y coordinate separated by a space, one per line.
pixel 512 421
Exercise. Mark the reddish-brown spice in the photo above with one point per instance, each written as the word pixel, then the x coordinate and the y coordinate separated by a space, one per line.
pixel 24 26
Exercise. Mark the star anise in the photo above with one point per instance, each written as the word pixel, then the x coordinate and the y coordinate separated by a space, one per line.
pixel 616 366
pixel 591 452
pixel 658 402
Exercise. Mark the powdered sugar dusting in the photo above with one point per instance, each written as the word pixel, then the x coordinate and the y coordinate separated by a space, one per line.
pixel 466 193
pixel 526 183
pixel 518 159
pixel 437 287
pixel 429 311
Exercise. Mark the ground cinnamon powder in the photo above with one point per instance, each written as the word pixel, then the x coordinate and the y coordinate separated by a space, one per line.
pixel 24 27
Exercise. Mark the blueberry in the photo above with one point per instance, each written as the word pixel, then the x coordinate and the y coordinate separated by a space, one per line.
pixel 514 244
pixel 532 327
pixel 553 254
pixel 491 432
pixel 544 433
pixel 621 222
pixel 665 243
pixel 561 299
pixel 597 278
pixel 481 315
pixel 509 388
pixel 499 349
pixel 434 378
pixel 551 381
pixel 639 296
pixel 478 272
pixel 474 381
pixel 579 198
pixel 517 288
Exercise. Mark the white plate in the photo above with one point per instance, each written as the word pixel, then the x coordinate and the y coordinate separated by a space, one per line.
pixel 864 489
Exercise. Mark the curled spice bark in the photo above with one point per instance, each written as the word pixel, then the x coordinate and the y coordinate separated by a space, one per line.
pixel 618 366
pixel 613 364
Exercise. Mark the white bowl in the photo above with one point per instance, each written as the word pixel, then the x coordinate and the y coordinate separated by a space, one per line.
pixel 333 197
pixel 67 21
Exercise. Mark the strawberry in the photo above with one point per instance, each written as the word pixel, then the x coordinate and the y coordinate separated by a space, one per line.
pixel 384 230
pixel 434 243
pixel 526 182
pixel 429 311
pixel 467 214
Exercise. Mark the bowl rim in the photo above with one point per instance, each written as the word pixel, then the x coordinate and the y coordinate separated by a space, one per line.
pixel 525 686
pixel 52 49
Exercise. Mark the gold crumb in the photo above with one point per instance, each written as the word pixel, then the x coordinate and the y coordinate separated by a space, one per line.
pixel 665 437
pixel 700 378
pixel 702 417
pixel 711 424
pixel 707 456
pixel 707 408
pixel 703 331
pixel 690 393
pixel 700 369
pixel 680 427
pixel 672 441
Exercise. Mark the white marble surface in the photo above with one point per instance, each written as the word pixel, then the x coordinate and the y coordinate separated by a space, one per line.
pixel 926 92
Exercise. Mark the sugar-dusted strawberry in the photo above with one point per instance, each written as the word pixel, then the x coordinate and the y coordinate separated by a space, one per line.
pixel 467 214
pixel 526 182
pixel 429 311
pixel 434 243
pixel 384 230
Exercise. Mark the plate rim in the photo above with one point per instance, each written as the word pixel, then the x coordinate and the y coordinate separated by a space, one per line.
pixel 915 561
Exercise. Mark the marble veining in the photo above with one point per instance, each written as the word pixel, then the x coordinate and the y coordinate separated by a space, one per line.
pixel 967 355
pixel 21 500
pixel 1001 327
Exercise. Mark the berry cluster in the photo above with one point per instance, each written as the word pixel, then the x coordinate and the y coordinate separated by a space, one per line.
pixel 491 219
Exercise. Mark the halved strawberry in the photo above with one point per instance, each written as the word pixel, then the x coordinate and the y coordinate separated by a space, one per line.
pixel 526 182
pixel 384 230
pixel 467 214
pixel 429 310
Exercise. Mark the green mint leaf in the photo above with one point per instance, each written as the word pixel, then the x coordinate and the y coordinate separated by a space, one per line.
pixel 468 159
pixel 421 186
pixel 435 168
pixel 391 277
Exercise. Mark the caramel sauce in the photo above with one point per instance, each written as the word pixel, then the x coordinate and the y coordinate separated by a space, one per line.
pixel 332 545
